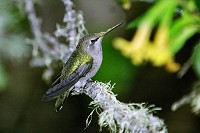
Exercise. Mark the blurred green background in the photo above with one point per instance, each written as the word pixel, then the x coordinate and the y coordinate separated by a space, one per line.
pixel 21 109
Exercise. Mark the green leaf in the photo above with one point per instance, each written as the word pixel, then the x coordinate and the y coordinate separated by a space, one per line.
pixel 196 59
pixel 154 14
pixel 198 4
pixel 135 23
pixel 178 41
pixel 180 23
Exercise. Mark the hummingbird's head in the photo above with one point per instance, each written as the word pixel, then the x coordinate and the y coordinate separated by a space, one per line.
pixel 92 42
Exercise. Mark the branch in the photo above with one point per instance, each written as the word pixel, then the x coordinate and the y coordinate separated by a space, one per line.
pixel 193 98
pixel 121 117
pixel 47 50
pixel 35 26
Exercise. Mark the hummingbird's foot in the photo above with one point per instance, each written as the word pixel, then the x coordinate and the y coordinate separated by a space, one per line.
pixel 89 81
pixel 79 87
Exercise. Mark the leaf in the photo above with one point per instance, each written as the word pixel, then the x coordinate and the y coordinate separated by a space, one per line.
pixel 198 4
pixel 196 59
pixel 135 23
pixel 179 40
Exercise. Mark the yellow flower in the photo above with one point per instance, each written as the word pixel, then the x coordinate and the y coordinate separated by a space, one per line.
pixel 157 55
pixel 136 48
pixel 141 49
pixel 172 66
pixel 126 4
pixel 158 52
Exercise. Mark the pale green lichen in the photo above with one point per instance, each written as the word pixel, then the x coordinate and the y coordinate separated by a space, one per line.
pixel 121 117
pixel 131 118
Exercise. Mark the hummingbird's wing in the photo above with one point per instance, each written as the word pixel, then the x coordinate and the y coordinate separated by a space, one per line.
pixel 57 79
pixel 81 70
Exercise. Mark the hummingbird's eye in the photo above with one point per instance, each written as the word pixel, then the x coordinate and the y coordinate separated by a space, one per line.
pixel 94 40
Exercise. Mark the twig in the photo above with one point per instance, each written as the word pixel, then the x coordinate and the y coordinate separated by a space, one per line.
pixel 35 26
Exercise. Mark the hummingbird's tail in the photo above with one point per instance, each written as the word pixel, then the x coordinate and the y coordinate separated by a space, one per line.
pixel 60 100
pixel 58 89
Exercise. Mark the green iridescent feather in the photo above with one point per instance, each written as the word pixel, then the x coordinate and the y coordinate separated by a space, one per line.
pixel 78 58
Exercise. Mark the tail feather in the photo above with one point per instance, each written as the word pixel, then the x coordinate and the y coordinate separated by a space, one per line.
pixel 60 101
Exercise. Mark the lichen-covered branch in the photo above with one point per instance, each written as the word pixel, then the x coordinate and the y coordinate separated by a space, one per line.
pixel 35 26
pixel 47 49
pixel 121 117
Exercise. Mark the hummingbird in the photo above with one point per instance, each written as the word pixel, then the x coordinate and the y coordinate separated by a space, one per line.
pixel 82 65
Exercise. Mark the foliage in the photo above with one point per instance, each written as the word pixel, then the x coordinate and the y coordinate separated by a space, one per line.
pixel 171 24
pixel 167 40
pixel 196 59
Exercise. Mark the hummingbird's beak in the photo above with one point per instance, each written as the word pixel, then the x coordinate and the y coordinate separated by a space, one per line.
pixel 110 29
